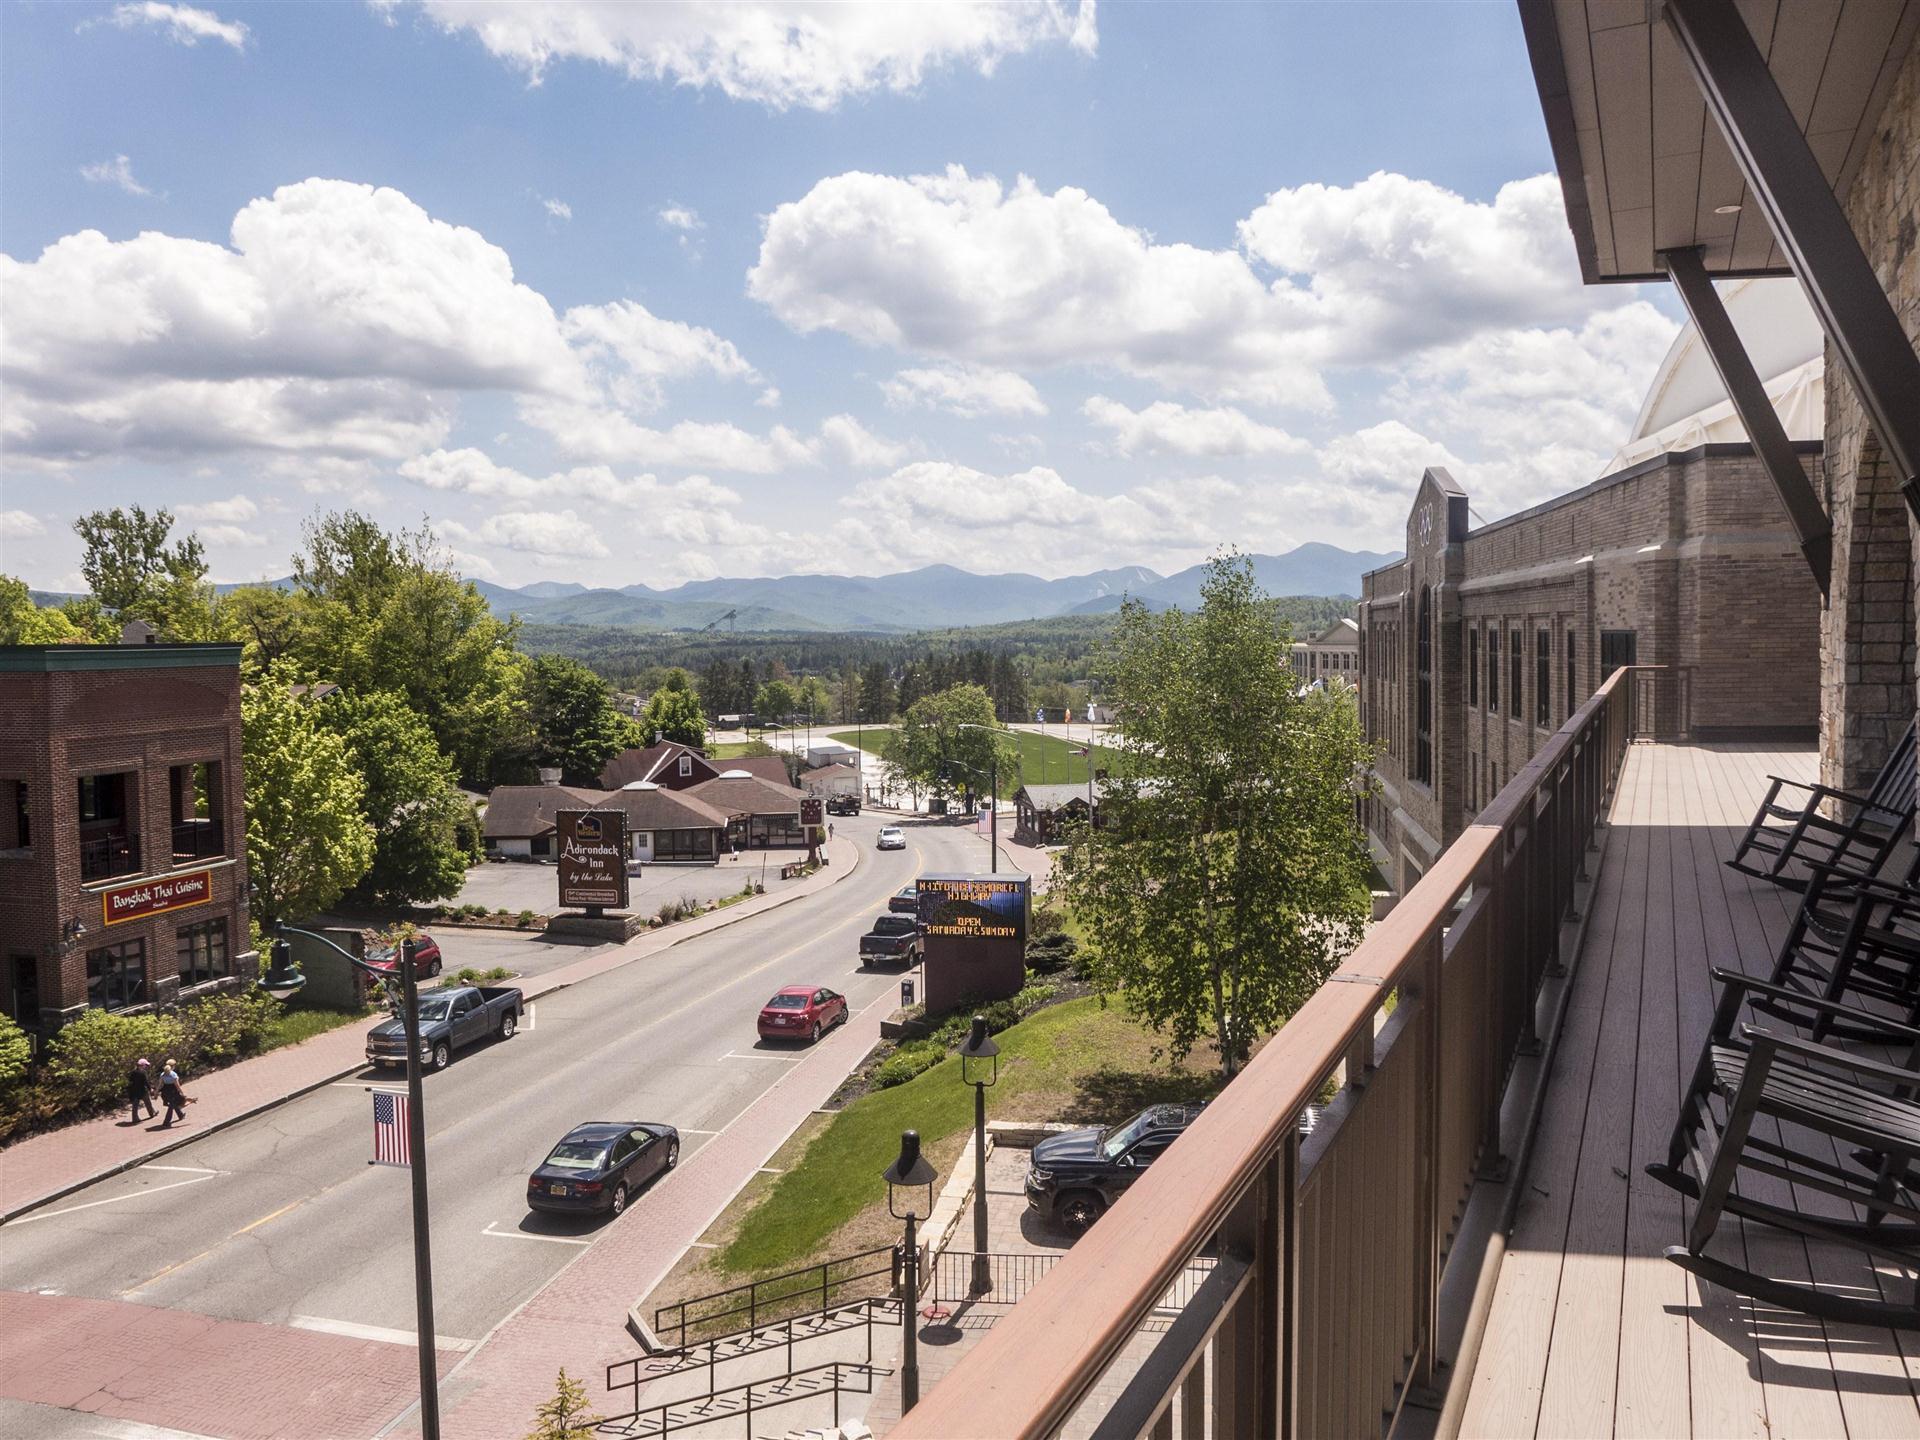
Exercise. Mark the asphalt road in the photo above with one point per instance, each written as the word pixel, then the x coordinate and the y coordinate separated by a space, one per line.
pixel 282 1220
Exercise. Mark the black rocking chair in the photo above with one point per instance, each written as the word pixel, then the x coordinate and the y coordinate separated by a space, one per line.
pixel 1856 940
pixel 1865 1105
pixel 1784 834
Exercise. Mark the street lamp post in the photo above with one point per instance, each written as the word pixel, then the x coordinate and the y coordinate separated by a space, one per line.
pixel 279 975
pixel 979 1051
pixel 908 1173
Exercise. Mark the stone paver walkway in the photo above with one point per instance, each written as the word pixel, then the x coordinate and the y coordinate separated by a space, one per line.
pixel 44 1167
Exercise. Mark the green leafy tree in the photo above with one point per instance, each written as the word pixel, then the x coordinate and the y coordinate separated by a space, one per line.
pixel 776 700
pixel 308 841
pixel 876 693
pixel 846 694
pixel 267 622
pixel 567 1416
pixel 1228 876
pixel 812 697
pixel 137 570
pixel 24 623
pixel 575 725
pixel 386 611
pixel 673 713
pixel 950 741
pixel 411 802
pixel 719 683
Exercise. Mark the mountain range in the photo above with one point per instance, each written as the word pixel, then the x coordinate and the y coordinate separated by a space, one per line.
pixel 932 597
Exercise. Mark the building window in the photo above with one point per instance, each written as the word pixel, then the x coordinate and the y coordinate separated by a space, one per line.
pixel 686 765
pixel 198 830
pixel 1543 677
pixel 1473 666
pixel 1573 677
pixel 1493 670
pixel 117 975
pixel 203 952
pixel 1517 671
pixel 22 817
pixel 1423 655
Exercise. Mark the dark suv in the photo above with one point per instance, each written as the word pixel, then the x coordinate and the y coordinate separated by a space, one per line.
pixel 1073 1178
pixel 843 805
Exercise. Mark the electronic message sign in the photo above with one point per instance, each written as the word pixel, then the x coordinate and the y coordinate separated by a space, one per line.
pixel 593 858
pixel 975 933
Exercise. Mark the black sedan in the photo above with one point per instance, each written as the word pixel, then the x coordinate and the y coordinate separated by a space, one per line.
pixel 600 1165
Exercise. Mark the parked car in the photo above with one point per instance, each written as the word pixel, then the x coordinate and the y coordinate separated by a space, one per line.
pixel 798 1011
pixel 843 805
pixel 1073 1178
pixel 891 837
pixel 598 1166
pixel 893 937
pixel 450 1019
pixel 426 952
pixel 905 900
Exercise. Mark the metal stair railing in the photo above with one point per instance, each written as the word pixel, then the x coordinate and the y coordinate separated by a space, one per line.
pixel 736 1345
pixel 813 1285
pixel 745 1401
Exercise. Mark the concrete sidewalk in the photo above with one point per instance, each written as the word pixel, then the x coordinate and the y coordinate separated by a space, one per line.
pixel 42 1168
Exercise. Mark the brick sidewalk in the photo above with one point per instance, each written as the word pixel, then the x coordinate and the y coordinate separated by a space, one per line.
pixel 44 1167
pixel 578 1319
pixel 195 1374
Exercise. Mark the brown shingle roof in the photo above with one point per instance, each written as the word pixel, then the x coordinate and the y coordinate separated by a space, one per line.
pixel 770 768
pixel 667 810
pixel 519 812
pixel 750 795
pixel 650 763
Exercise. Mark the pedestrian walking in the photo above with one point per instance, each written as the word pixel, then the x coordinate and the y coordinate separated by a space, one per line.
pixel 829 829
pixel 140 1088
pixel 172 1096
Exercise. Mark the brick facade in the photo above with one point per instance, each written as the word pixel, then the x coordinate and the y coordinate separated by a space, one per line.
pixel 166 719
pixel 1868 629
pixel 1684 558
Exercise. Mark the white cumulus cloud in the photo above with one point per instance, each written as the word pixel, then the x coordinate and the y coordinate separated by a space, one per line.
pixel 231 511
pixel 1164 428
pixel 19 525
pixel 117 172
pixel 779 53
pixel 548 535
pixel 183 24
pixel 558 209
pixel 968 390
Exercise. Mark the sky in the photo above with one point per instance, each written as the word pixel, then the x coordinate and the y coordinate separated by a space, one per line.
pixel 613 293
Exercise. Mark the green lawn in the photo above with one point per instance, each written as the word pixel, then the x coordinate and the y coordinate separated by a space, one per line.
pixel 1076 1061
pixel 1044 760
pixel 731 748
pixel 290 1027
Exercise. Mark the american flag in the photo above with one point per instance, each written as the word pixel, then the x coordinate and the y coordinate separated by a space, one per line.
pixel 390 1129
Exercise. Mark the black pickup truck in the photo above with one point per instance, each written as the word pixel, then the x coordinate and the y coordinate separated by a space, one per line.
pixel 449 1019
pixel 1073 1178
pixel 894 938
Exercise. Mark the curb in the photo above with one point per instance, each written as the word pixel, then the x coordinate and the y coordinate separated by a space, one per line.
pixel 834 875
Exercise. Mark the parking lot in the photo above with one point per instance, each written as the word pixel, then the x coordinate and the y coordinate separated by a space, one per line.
pixel 516 885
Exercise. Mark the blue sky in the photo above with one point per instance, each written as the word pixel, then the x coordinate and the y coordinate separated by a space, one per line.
pixel 629 294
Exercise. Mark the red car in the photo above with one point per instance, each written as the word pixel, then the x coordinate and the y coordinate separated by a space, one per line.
pixel 425 950
pixel 801 1011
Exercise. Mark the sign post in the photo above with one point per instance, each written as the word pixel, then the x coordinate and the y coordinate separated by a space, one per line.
pixel 975 933
pixel 812 817
pixel 593 859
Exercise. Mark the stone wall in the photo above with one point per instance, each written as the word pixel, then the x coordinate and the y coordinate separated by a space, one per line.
pixel 1868 630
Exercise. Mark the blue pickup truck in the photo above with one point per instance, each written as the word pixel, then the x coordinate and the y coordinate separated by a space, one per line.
pixel 449 1019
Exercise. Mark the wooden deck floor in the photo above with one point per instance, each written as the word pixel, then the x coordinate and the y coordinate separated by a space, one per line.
pixel 1593 1332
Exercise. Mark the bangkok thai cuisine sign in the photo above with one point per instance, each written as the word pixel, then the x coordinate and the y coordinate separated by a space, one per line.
pixel 155 897
pixel 593 857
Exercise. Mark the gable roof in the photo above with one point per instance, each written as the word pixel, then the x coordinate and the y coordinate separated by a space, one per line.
pixel 829 772
pixel 1058 797
pixel 647 763
pixel 1341 632
pixel 749 795
pixel 516 812
pixel 770 768
pixel 657 808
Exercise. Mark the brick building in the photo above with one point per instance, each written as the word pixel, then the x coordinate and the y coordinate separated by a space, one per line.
pixel 1479 644
pixel 122 829
pixel 1333 653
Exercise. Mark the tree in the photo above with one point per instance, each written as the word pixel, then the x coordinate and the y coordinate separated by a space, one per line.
pixel 846 694
pixel 567 1416
pixel 674 713
pixel 876 693
pixel 813 698
pixel 949 742
pixel 137 571
pixel 776 701
pixel 387 612
pixel 412 802
pixel 24 623
pixel 308 841
pixel 1228 875
pixel 574 723
pixel 268 622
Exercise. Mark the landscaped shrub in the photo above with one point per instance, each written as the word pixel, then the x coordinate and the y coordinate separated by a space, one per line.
pixel 88 1061
pixel 1044 922
pixel 15 1051
pixel 524 919
pixel 1051 953
pixel 908 1061
pixel 221 1028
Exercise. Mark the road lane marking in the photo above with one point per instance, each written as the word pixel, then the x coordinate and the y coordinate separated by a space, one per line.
pixel 114 1199
pixel 183 1169
pixel 265 1218
pixel 376 1332
pixel 685 1131
pixel 153 1280
pixel 528 1235
pixel 531 1010
pixel 783 1059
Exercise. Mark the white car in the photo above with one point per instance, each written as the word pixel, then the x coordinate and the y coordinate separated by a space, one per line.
pixel 891 838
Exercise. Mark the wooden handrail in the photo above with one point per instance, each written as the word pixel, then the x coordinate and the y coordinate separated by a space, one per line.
pixel 1033 1368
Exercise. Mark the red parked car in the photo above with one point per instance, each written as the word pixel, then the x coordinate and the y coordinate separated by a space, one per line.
pixel 426 950
pixel 801 1011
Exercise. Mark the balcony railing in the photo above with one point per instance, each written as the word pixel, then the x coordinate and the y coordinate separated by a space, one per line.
pixel 197 839
pixel 1322 1307
pixel 104 856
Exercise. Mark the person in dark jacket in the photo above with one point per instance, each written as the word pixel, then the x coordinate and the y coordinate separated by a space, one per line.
pixel 140 1089
pixel 174 1097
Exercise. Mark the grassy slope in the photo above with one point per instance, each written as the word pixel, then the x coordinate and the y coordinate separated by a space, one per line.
pixel 1044 759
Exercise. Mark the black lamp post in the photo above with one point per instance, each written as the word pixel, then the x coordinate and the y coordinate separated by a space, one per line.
pixel 282 977
pixel 909 1173
pixel 980 1067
